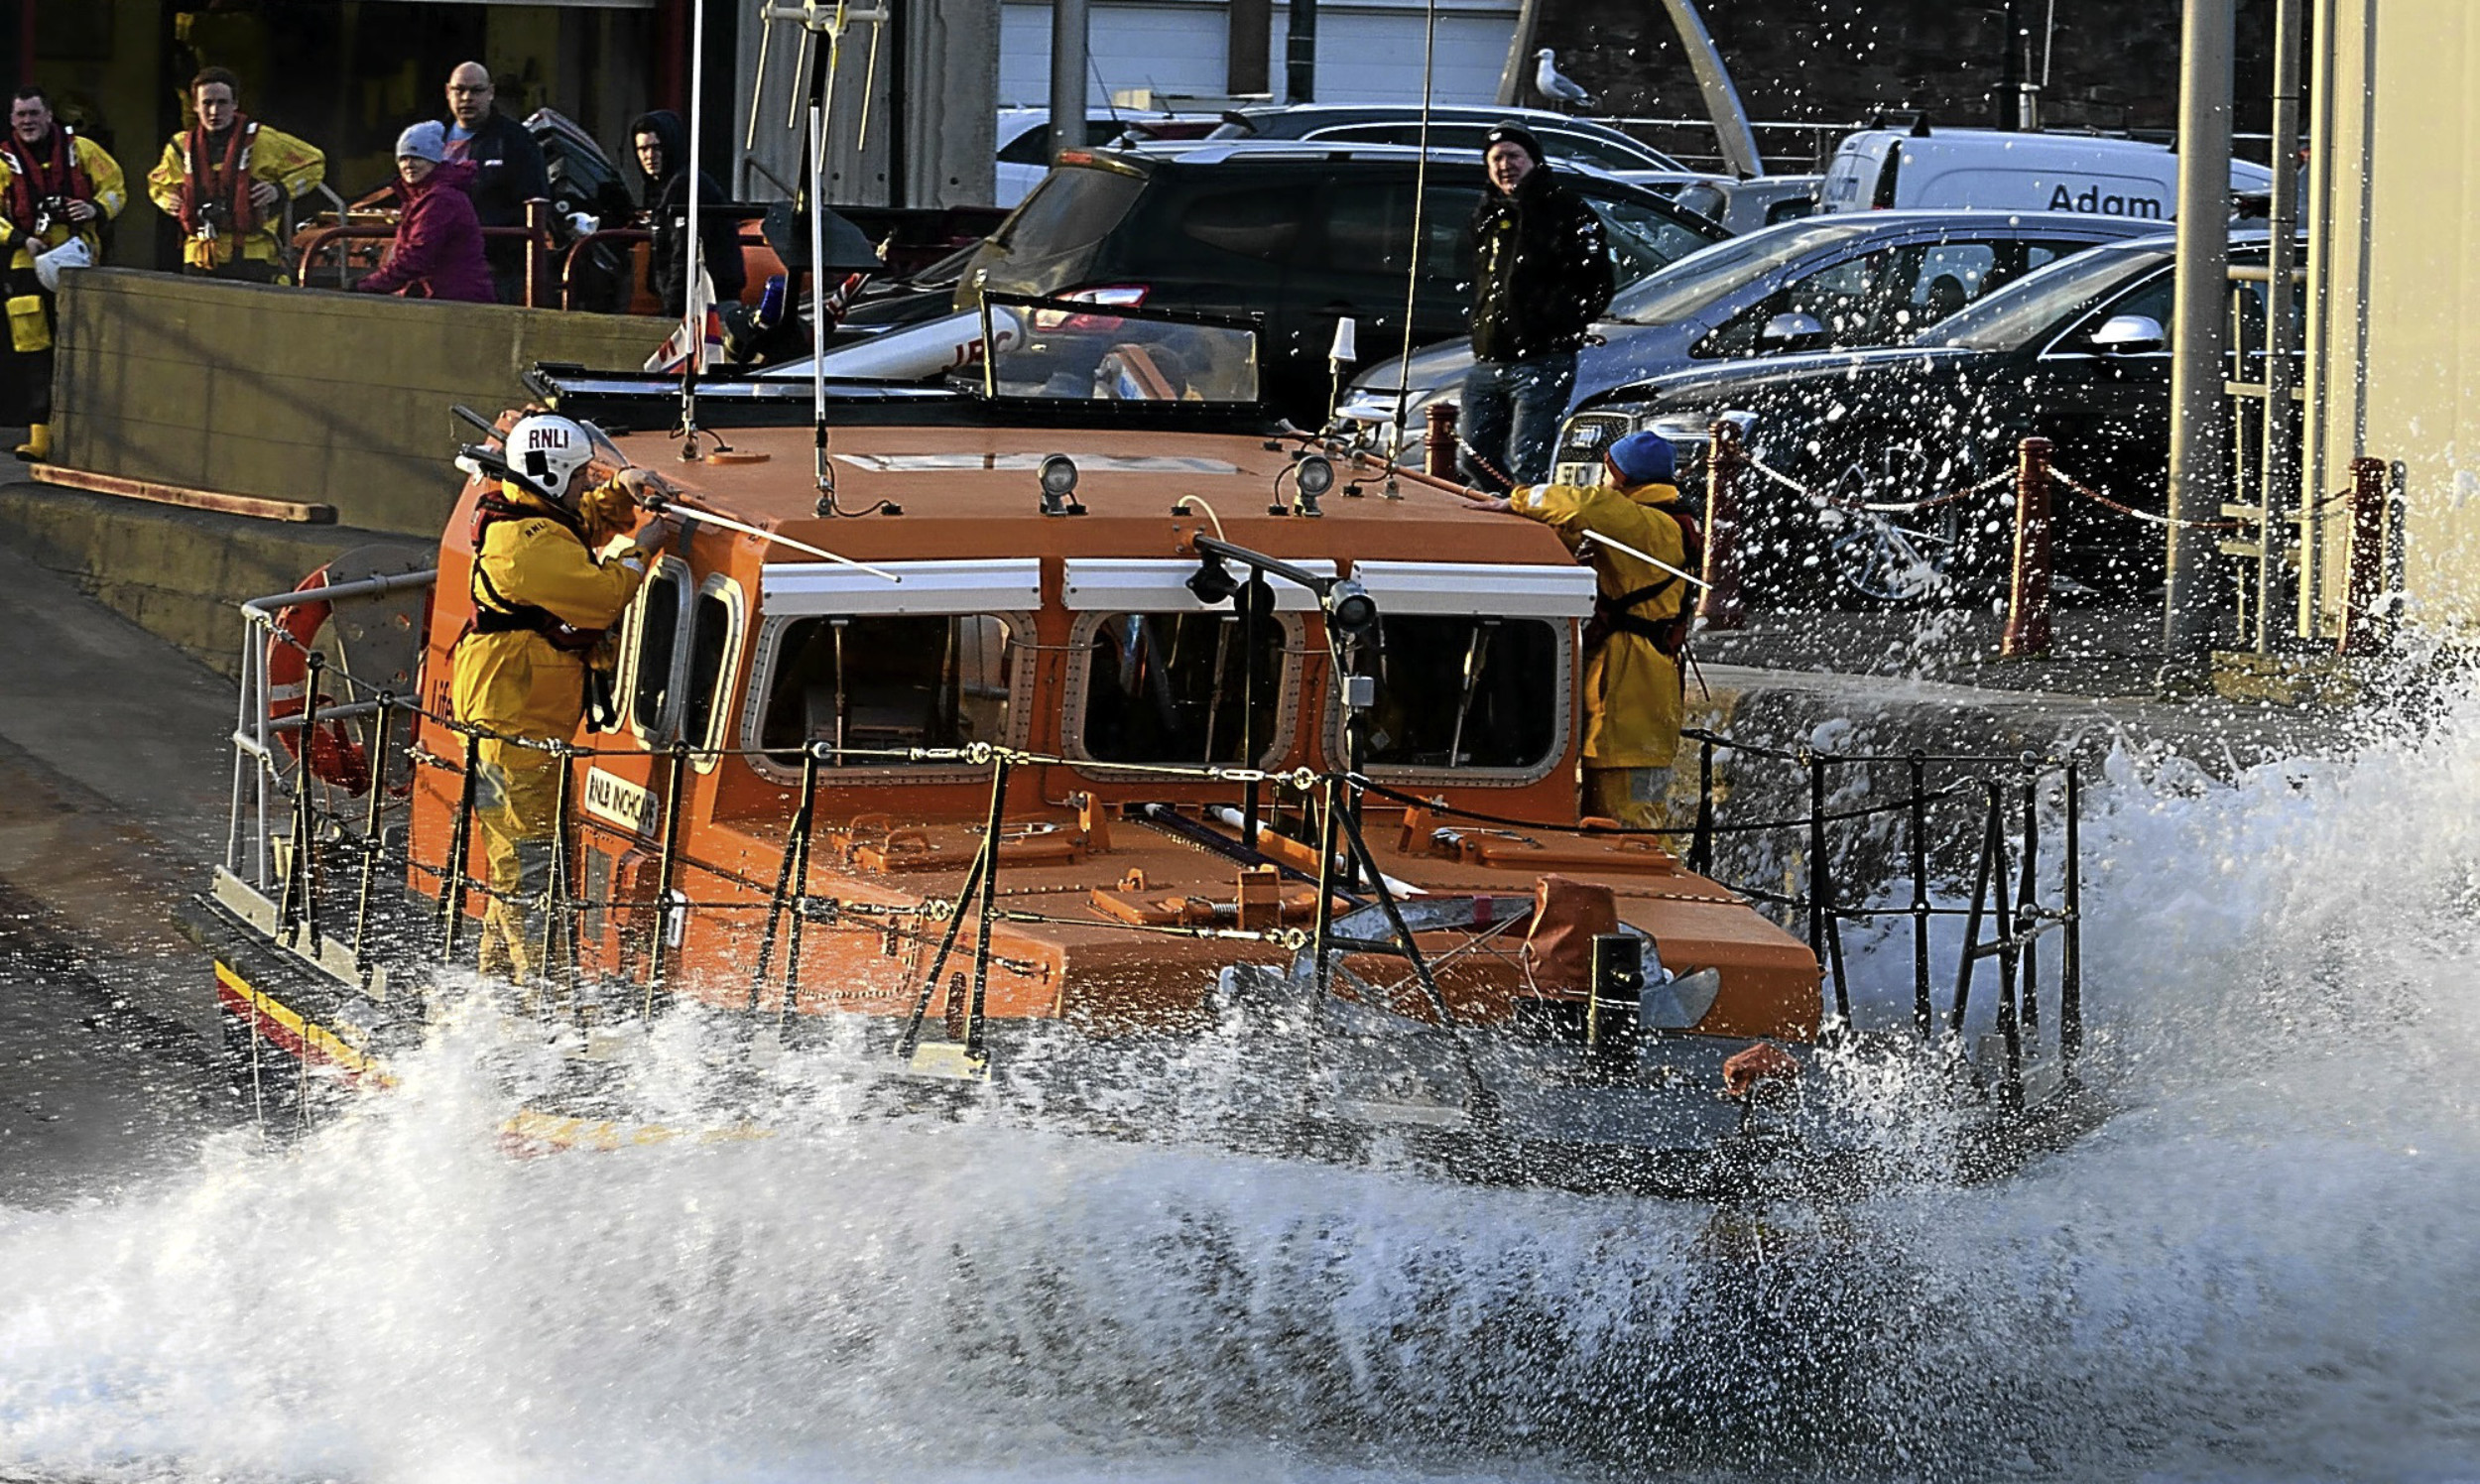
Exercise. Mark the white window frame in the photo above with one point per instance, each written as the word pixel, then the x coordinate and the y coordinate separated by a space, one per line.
pixel 1287 724
pixel 772 627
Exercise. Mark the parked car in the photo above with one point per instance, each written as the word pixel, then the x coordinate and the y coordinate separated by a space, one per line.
pixel 1451 126
pixel 2079 353
pixel 1745 206
pixel 1993 170
pixel 1024 140
pixel 1302 234
pixel 1825 283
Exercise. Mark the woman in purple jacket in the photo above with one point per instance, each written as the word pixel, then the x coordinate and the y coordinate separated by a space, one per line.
pixel 437 252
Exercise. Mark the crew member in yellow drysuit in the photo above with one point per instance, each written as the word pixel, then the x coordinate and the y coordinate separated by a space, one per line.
pixel 225 179
pixel 1632 688
pixel 541 602
pixel 56 188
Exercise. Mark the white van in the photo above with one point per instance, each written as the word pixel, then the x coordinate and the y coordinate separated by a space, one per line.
pixel 1991 170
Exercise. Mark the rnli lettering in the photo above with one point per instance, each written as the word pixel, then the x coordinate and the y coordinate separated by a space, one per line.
pixel 616 801
pixel 544 436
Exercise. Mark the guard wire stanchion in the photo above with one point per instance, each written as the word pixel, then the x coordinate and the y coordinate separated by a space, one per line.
pixel 659 953
pixel 367 886
pixel 984 861
pixel 451 920
pixel 792 887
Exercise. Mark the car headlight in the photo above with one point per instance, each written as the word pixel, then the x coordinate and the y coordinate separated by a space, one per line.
pixel 1698 426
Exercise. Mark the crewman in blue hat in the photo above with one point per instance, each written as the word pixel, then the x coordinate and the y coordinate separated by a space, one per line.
pixel 1641 619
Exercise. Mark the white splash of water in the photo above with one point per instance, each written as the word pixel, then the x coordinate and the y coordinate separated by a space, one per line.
pixel 2264 1267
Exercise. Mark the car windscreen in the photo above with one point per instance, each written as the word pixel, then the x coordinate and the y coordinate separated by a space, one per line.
pixel 1073 208
pixel 2047 297
pixel 1695 281
pixel 1643 240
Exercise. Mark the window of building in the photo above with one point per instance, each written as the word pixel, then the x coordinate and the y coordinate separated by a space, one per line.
pixel 887 683
pixel 1170 688
pixel 1456 691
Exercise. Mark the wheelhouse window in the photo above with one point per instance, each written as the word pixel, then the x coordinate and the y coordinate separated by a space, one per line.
pixel 653 645
pixel 887 683
pixel 713 638
pixel 1456 691
pixel 1175 688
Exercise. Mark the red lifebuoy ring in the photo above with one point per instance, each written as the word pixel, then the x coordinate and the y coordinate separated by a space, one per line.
pixel 334 754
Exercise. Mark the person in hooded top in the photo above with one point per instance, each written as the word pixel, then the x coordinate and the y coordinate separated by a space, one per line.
pixel 1633 701
pixel 661 144
pixel 1541 274
pixel 437 252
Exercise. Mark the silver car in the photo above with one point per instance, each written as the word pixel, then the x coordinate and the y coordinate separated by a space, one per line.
pixel 1818 284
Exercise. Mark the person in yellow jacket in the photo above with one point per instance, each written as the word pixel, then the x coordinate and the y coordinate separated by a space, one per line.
pixel 57 189
pixel 225 179
pixel 542 602
pixel 1633 701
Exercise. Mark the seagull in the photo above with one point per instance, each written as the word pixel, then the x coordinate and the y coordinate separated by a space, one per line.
pixel 1556 85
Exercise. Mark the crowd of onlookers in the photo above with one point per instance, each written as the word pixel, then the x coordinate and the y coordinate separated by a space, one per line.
pixel 462 187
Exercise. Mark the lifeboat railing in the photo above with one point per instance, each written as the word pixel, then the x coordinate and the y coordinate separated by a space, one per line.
pixel 2018 901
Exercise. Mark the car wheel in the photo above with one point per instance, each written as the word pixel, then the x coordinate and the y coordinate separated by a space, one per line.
pixel 1896 558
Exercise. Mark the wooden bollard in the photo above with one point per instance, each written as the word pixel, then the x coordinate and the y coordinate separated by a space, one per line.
pixel 1721 604
pixel 2363 627
pixel 2028 595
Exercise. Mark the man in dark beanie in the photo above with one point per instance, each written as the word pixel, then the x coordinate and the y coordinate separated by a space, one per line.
pixel 1541 274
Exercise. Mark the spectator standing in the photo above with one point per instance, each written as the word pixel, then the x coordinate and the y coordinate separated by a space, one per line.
pixel 1541 274
pixel 437 252
pixel 661 144
pixel 55 190
pixel 225 179
pixel 508 171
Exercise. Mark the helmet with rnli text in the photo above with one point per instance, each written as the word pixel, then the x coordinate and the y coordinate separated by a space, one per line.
pixel 547 452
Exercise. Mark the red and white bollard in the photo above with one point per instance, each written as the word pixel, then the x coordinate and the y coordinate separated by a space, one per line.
pixel 2028 594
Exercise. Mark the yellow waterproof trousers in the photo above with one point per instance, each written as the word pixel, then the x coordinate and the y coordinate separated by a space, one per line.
pixel 517 805
pixel 1638 797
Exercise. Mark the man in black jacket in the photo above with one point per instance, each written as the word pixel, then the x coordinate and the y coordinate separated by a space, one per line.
pixel 509 172
pixel 660 142
pixel 1541 274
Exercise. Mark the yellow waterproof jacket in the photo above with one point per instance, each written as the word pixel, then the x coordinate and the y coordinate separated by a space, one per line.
pixel 1632 695
pixel 111 193
pixel 516 683
pixel 291 165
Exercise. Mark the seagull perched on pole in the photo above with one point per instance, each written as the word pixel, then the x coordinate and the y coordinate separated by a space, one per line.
pixel 1555 84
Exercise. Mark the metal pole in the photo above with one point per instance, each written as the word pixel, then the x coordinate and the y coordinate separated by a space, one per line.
pixel 2198 451
pixel 1300 54
pixel 2279 470
pixel 1069 63
pixel 1736 142
pixel 1923 1017
pixel 2072 946
pixel 2010 74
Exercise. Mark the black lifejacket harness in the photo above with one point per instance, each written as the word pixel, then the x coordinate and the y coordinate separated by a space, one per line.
pixel 493 611
pixel 1615 615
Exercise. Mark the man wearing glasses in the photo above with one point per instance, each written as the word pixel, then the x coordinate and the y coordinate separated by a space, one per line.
pixel 508 172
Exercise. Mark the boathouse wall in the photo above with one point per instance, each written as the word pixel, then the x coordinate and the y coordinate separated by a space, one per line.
pixel 2394 305
pixel 298 394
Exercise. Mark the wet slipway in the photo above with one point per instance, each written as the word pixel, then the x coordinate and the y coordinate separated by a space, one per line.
pixel 2264 1266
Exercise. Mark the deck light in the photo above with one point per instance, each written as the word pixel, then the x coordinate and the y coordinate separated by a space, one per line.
pixel 1314 474
pixel 1058 485
pixel 1350 610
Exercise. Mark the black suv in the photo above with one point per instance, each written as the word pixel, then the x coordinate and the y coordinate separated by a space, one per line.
pixel 1301 235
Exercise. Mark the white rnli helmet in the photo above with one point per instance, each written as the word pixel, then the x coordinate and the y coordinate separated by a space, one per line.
pixel 547 452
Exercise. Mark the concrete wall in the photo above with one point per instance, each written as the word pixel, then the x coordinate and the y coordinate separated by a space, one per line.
pixel 2394 345
pixel 177 573
pixel 336 397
